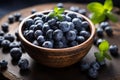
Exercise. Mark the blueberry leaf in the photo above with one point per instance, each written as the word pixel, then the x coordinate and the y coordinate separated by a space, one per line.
pixel 104 46
pixel 97 18
pixel 108 5
pixel 111 16
pixel 95 7
pixel 60 17
pixel 57 12
pixel 56 9
pixel 60 10
pixel 99 56
pixel 52 14
pixel 107 56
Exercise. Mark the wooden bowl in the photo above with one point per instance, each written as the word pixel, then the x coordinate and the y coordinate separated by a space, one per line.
pixel 57 58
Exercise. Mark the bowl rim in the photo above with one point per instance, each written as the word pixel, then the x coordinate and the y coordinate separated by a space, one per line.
pixel 92 28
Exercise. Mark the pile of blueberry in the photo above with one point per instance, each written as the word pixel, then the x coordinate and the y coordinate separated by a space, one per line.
pixel 53 33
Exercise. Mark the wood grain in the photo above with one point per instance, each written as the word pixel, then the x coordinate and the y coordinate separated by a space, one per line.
pixel 39 72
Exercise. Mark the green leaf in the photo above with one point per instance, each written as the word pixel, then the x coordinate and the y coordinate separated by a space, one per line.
pixel 97 18
pixel 104 46
pixel 95 7
pixel 111 16
pixel 60 17
pixel 108 5
pixel 99 56
pixel 56 9
pixel 107 56
pixel 60 10
pixel 52 14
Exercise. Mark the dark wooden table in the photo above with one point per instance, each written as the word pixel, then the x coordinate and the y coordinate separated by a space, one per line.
pixel 39 72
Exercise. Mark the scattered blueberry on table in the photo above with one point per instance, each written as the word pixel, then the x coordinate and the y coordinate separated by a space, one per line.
pixel 53 33
pixel 23 64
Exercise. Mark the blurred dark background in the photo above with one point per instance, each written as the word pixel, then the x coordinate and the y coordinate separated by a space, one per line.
pixel 7 6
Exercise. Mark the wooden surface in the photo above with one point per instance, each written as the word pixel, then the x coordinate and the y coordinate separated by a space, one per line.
pixel 39 72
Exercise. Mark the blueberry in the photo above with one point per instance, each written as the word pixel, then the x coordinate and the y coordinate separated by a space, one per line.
pixel 113 50
pixel 3 64
pixel 59 44
pixel 95 40
pixel 14 45
pixel 21 19
pixel 45 18
pixel 60 5
pixel 80 39
pixel 45 28
pixel 82 11
pixel 84 66
pixel 5 27
pixel 33 27
pixel 17 36
pixel 72 15
pixel 23 64
pixel 16 53
pixel 67 18
pixel 25 32
pixel 71 35
pixel 75 31
pixel 38 21
pixel 52 22
pixel 81 18
pixel 17 16
pixel 11 19
pixel 64 41
pixel 72 26
pixel 47 44
pixel 40 39
pixel 63 17
pixel 74 8
pixel 5 44
pixel 37 33
pixel 1 33
pixel 1 40
pixel 93 73
pixel 33 11
pixel 22 47
pixel 57 35
pixel 37 18
pixel 73 43
pixel 49 34
pixel 109 31
pixel 98 41
pixel 103 25
pixel 95 65
pixel 85 25
pixel 99 32
pixel 29 35
pixel 35 42
pixel 77 22
pixel 64 26
pixel 29 22
pixel 85 34
pixel 39 26
pixel 9 37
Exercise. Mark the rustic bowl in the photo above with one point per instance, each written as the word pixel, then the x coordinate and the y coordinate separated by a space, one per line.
pixel 57 57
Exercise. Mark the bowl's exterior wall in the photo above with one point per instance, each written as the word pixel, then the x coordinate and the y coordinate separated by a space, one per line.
pixel 57 59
